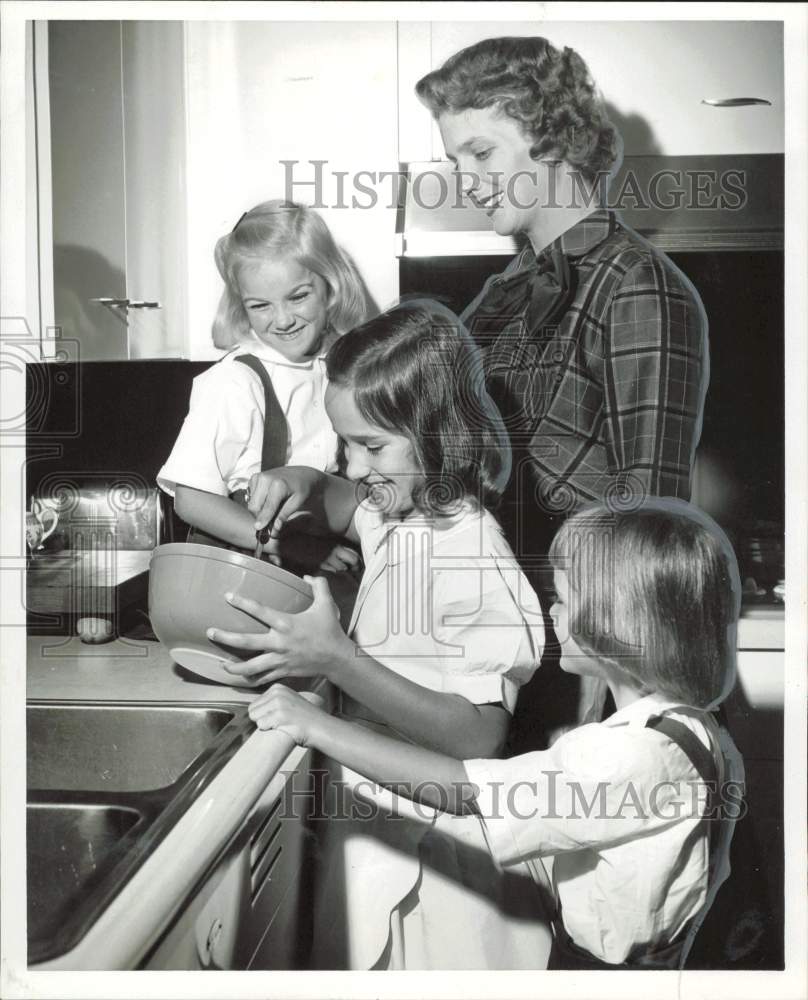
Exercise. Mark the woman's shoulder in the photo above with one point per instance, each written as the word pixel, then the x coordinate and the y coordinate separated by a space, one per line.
pixel 635 261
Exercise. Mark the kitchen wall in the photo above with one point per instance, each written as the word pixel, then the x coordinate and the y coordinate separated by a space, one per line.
pixel 262 92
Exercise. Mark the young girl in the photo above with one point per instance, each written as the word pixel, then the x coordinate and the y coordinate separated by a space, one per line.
pixel 444 631
pixel 289 291
pixel 636 812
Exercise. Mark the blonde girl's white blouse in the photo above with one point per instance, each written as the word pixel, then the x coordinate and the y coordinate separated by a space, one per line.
pixel 219 445
pixel 617 807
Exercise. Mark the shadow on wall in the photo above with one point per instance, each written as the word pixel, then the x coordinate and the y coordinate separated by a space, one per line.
pixel 99 333
pixel 638 136
pixel 371 305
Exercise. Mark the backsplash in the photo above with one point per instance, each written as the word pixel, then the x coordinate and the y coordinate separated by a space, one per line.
pixel 97 434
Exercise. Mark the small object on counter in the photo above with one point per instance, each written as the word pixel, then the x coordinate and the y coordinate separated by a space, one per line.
pixel 779 591
pixel 751 588
pixel 94 630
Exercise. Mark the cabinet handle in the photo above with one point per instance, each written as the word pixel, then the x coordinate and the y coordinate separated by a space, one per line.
pixel 126 303
pixel 734 102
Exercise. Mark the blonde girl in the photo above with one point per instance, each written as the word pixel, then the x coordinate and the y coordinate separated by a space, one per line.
pixel 635 813
pixel 289 292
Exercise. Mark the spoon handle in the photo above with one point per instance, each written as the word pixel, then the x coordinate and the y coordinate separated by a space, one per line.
pixel 261 538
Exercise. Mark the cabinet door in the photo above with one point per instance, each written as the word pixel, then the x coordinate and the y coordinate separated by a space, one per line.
pixel 277 931
pixel 87 181
pixel 653 76
pixel 117 182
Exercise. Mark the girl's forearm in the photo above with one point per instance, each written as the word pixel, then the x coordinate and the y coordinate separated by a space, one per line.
pixel 219 516
pixel 412 771
pixel 332 508
pixel 447 723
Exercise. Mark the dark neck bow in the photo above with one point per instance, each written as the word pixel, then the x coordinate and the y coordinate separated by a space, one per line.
pixel 538 295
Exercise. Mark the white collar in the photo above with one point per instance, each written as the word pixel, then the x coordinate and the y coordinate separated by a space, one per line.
pixel 266 353
pixel 639 711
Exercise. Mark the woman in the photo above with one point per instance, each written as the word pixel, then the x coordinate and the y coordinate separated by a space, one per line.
pixel 594 344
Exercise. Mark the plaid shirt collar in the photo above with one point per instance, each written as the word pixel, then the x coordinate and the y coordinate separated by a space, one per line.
pixel 577 241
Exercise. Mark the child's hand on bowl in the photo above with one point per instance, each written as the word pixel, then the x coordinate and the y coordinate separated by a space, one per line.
pixel 308 644
pixel 283 709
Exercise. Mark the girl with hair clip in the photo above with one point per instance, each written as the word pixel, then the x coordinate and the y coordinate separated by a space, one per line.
pixel 635 813
pixel 444 631
pixel 289 292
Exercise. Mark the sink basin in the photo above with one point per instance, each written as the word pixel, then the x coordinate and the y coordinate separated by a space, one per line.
pixel 122 748
pixel 68 847
pixel 106 783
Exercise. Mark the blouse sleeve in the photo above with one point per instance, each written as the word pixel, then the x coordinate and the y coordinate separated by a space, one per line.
pixel 490 618
pixel 219 445
pixel 596 786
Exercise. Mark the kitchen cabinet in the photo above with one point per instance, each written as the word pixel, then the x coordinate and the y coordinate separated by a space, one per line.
pixel 653 75
pixel 754 715
pixel 116 111
pixel 251 912
pixel 277 929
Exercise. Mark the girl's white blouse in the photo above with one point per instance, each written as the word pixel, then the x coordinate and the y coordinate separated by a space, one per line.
pixel 617 807
pixel 219 445
pixel 444 603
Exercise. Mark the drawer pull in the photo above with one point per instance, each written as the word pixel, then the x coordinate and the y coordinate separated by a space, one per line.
pixel 735 102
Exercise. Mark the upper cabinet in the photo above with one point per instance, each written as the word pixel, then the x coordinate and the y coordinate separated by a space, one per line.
pixel 116 187
pixel 654 77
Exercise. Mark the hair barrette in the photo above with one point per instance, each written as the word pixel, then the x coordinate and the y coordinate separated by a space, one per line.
pixel 241 219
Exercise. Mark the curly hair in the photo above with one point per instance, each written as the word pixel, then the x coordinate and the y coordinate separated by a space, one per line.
pixel 656 593
pixel 415 371
pixel 548 91
pixel 283 229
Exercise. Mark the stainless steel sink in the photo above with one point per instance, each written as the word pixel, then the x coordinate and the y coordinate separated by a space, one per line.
pixel 106 783
pixel 68 845
pixel 122 748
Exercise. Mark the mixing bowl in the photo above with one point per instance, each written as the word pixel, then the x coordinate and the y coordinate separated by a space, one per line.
pixel 187 584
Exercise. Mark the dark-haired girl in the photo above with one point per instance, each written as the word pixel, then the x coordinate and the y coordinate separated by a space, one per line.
pixel 444 631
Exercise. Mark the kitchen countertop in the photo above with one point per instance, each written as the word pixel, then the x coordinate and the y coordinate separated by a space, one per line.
pixel 122 670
